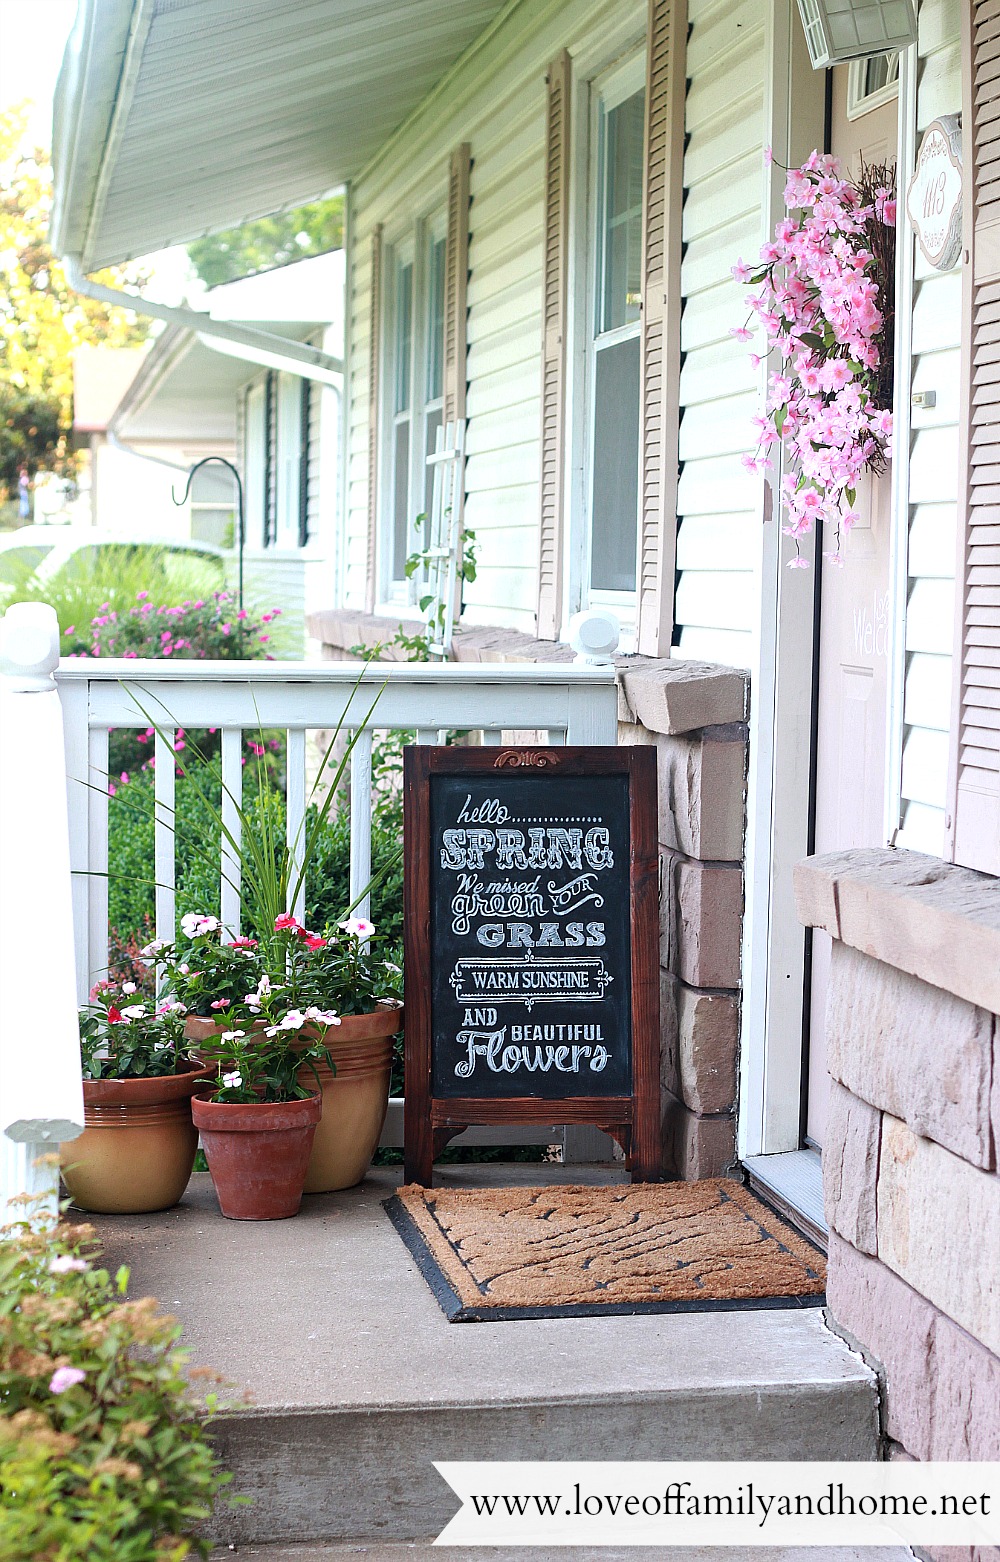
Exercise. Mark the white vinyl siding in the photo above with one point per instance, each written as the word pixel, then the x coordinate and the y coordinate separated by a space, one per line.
pixel 717 504
pixel 933 479
pixel 495 99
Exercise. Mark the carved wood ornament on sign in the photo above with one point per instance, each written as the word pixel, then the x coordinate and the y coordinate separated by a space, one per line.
pixel 934 194
pixel 532 945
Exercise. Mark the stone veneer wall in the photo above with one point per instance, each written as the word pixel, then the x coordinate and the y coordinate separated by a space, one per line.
pixel 695 716
pixel 910 1170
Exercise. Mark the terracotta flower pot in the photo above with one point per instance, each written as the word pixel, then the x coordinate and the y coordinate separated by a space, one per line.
pixel 257 1153
pixel 138 1144
pixel 354 1098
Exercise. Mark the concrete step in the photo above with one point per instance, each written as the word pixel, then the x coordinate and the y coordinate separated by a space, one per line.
pixel 418 1551
pixel 359 1383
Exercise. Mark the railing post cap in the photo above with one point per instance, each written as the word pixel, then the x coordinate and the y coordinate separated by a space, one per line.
pixel 29 646
pixel 594 635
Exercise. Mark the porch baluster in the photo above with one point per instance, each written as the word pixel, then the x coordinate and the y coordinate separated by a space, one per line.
pixel 295 813
pixel 163 835
pixel 361 822
pixel 232 796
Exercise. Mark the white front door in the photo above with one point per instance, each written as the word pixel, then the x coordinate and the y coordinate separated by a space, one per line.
pixel 854 625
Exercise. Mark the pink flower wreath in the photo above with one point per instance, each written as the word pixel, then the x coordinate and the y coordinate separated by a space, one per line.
pixel 825 303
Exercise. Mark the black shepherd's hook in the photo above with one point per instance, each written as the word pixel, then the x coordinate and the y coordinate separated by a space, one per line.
pixel 241 533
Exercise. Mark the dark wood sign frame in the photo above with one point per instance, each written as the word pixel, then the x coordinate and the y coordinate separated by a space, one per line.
pixel 633 1119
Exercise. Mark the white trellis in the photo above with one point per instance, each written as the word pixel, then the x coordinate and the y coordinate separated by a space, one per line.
pixel 444 537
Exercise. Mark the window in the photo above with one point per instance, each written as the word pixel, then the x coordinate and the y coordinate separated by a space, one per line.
pixel 871 83
pixel 617 164
pixel 415 383
pixel 402 413
pixel 213 505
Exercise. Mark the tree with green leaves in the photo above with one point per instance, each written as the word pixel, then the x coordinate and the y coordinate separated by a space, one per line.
pixel 270 242
pixel 42 321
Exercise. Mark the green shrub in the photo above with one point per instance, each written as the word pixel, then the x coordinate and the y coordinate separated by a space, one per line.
pixel 104 1454
pixel 109 579
pixel 131 892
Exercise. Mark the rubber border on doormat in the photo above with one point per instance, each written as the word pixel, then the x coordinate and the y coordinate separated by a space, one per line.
pixel 455 1311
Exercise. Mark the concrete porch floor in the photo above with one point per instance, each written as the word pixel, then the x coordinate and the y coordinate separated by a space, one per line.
pixel 358 1381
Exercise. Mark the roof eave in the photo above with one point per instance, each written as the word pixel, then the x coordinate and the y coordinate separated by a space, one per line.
pixel 85 100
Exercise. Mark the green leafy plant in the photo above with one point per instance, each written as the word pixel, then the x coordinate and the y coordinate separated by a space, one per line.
pixel 104 1449
pixel 418 647
pixel 272 868
pixel 335 972
pixel 266 1063
pixel 123 1035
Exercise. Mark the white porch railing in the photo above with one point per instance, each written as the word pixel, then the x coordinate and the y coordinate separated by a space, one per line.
pixel 572 704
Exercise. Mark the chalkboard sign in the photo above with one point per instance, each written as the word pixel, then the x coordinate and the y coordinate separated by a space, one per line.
pixel 531 935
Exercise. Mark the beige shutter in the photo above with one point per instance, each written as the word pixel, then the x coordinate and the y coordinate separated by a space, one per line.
pixel 554 272
pixel 660 347
pixel 374 365
pixel 456 277
pixel 974 818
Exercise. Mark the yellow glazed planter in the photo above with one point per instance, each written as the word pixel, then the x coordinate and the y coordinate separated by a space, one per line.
pixel 137 1148
pixel 354 1098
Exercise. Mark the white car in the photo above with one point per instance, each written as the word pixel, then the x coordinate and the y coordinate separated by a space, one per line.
pixel 43 550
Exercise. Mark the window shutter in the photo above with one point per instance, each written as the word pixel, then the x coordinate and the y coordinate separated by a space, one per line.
pixel 974 820
pixel 270 460
pixel 305 408
pixel 374 364
pixel 456 277
pixel 554 272
pixel 660 347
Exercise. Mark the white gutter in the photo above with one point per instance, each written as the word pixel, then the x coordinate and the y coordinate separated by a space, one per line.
pixel 241 341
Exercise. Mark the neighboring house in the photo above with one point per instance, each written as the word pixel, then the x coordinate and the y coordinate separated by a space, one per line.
pixel 545 200
pixel 194 395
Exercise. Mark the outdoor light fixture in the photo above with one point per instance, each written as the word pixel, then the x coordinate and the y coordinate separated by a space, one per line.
pixel 839 30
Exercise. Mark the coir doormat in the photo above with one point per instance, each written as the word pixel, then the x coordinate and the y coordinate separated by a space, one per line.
pixel 562 1252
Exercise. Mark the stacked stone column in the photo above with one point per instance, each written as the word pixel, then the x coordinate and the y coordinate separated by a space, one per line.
pixel 910 1166
pixel 695 716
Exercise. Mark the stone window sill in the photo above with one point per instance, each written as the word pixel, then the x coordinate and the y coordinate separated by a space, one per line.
pixel 915 913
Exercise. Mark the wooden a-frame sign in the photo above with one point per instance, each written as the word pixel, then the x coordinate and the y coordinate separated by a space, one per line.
pixel 531 934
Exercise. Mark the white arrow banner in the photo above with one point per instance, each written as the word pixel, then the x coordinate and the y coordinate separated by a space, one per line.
pixel 723 1504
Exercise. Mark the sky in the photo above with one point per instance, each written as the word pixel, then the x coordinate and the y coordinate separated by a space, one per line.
pixel 32 36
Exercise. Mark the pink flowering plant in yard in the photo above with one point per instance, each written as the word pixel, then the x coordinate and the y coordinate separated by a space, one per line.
pixel 213 627
pixel 825 306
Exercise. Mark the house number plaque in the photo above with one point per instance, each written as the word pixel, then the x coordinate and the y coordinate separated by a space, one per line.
pixel 934 194
pixel 532 945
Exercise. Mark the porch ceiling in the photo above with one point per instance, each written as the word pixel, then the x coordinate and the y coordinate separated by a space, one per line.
pixel 175 118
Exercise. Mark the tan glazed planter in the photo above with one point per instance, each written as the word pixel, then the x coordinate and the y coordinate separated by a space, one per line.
pixel 354 1099
pixel 137 1148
